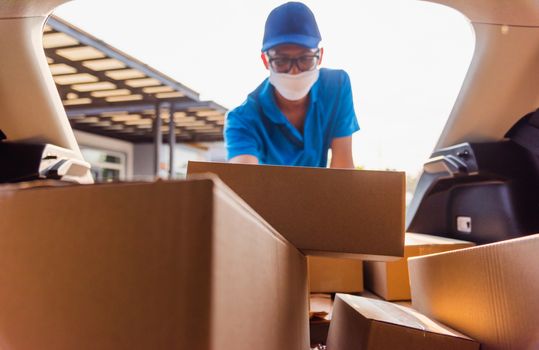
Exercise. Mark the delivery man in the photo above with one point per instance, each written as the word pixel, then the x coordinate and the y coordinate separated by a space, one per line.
pixel 301 111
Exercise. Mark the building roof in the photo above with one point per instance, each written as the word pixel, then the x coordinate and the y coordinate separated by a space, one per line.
pixel 110 93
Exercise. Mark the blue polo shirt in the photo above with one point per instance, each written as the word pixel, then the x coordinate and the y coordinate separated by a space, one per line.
pixel 259 128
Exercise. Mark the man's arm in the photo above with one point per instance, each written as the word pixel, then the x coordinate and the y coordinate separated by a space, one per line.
pixel 341 153
pixel 244 159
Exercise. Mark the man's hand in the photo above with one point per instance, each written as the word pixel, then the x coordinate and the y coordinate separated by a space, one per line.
pixel 341 153
pixel 244 159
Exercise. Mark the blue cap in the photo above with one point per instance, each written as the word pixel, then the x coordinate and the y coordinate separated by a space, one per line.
pixel 291 23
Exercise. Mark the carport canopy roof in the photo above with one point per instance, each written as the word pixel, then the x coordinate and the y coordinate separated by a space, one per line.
pixel 110 93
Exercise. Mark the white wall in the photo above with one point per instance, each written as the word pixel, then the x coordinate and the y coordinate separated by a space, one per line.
pixel 143 162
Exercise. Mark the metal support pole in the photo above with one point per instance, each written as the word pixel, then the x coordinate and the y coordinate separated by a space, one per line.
pixel 157 139
pixel 171 141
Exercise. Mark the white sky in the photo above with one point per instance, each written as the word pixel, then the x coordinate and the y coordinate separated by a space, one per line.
pixel 406 58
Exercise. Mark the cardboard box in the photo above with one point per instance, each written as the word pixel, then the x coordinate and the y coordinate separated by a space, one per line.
pixel 333 212
pixel 331 275
pixel 165 265
pixel 390 280
pixel 489 292
pixel 320 308
pixel 366 324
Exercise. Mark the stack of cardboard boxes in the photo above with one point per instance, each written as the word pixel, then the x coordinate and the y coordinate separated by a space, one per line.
pixel 355 319
pixel 196 264
pixel 345 214
pixel 486 293
pixel 183 264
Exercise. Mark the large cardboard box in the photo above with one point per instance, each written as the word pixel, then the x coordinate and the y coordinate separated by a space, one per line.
pixel 331 275
pixel 336 212
pixel 366 324
pixel 488 292
pixel 166 265
pixel 390 280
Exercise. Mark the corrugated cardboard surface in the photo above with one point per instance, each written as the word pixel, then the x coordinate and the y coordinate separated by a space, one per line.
pixel 331 275
pixel 488 292
pixel 365 324
pixel 166 265
pixel 390 280
pixel 320 309
pixel 323 211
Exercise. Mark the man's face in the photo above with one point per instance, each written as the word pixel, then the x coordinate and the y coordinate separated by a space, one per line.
pixel 292 59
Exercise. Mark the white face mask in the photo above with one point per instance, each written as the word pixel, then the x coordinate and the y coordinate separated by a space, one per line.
pixel 293 87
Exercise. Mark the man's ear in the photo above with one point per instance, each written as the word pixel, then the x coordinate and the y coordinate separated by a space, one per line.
pixel 321 55
pixel 265 60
